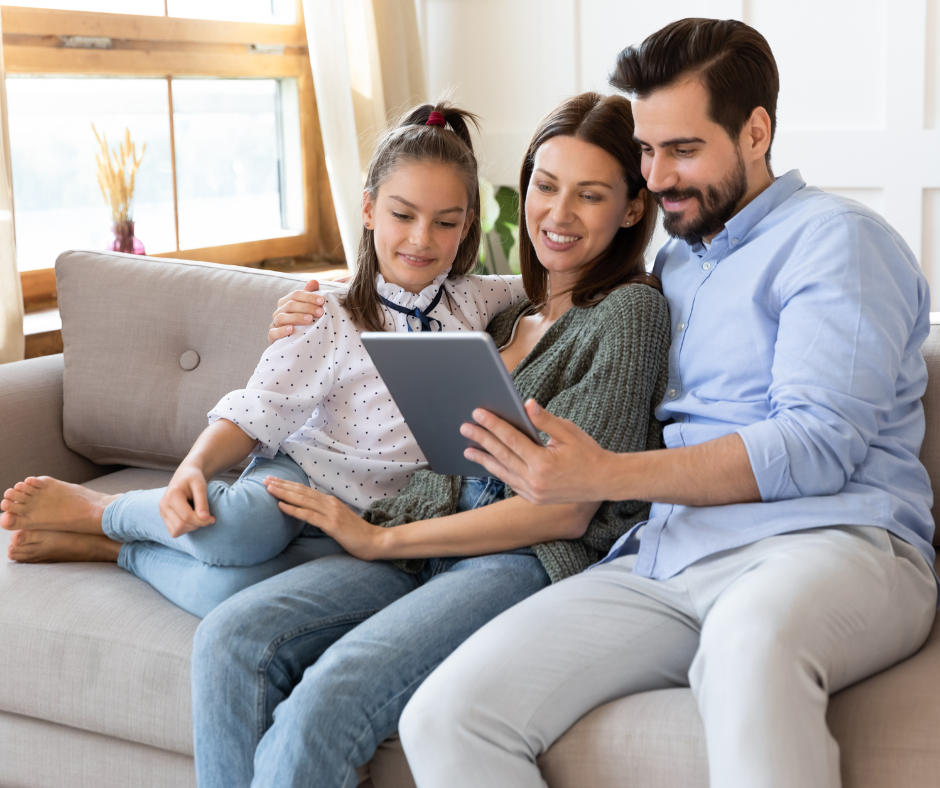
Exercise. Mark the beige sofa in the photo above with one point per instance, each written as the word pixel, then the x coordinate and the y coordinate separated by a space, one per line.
pixel 95 689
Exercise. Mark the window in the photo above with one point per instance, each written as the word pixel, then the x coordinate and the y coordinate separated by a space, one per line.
pixel 233 171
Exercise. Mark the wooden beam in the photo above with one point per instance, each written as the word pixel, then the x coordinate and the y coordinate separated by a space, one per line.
pixel 38 286
pixel 246 253
pixel 48 22
pixel 125 62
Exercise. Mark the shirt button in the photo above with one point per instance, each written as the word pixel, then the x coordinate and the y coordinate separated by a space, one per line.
pixel 672 393
pixel 707 266
pixel 734 241
pixel 680 327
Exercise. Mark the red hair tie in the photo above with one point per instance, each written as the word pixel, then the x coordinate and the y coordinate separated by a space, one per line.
pixel 436 119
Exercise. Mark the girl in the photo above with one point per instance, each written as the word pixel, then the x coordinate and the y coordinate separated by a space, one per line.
pixel 315 412
pixel 297 680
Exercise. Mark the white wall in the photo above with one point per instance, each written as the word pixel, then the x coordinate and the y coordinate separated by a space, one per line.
pixel 859 108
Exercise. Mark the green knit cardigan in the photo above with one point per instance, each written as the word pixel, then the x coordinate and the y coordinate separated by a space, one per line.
pixel 604 368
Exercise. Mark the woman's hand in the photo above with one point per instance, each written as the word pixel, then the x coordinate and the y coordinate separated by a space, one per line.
pixel 331 516
pixel 301 307
pixel 184 506
pixel 568 469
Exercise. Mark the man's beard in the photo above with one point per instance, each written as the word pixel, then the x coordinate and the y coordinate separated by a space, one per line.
pixel 714 210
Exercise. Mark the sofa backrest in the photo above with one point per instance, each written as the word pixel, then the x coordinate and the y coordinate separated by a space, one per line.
pixel 930 451
pixel 151 345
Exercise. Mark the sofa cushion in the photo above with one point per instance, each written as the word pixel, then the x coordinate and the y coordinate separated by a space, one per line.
pixel 151 347
pixel 98 649
pixel 930 450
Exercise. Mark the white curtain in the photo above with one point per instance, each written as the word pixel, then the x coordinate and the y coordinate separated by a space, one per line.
pixel 366 61
pixel 11 293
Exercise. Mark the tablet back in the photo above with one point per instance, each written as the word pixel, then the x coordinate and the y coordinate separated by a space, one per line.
pixel 437 379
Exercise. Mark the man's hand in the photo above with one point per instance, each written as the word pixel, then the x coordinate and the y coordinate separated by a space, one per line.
pixel 299 308
pixel 566 470
pixel 184 506
pixel 330 515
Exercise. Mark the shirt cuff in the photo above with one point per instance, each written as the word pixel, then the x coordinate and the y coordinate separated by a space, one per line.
pixel 767 452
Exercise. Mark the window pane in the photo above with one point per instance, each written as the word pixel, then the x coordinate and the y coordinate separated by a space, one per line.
pixel 151 7
pixel 237 160
pixel 283 12
pixel 57 202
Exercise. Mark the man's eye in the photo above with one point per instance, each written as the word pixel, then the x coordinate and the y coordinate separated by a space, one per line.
pixel 683 152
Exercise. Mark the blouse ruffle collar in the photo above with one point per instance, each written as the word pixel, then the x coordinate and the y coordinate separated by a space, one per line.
pixel 402 297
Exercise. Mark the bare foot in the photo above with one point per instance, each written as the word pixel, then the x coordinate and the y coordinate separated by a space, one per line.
pixel 44 503
pixel 50 547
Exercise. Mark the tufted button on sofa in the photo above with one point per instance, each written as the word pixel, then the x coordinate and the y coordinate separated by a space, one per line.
pixel 96 663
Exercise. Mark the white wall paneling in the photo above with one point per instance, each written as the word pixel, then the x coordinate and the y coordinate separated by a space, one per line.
pixel 859 107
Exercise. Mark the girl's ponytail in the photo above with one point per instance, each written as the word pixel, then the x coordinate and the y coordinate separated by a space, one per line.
pixel 414 139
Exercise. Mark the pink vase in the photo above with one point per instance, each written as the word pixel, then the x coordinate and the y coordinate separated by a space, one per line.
pixel 124 239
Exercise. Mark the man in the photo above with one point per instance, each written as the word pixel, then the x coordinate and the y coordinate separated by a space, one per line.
pixel 787 554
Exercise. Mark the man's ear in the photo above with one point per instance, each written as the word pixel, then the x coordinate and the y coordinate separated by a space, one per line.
pixel 635 209
pixel 466 225
pixel 755 136
pixel 368 208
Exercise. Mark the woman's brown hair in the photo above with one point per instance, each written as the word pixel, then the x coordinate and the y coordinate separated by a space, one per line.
pixel 412 140
pixel 607 122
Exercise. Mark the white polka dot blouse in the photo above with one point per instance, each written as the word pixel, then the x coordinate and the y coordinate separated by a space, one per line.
pixel 316 395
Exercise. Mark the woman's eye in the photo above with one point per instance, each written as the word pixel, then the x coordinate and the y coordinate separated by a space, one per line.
pixel 544 187
pixel 591 197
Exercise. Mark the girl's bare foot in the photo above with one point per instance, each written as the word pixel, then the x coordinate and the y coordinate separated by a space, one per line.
pixel 44 503
pixel 50 547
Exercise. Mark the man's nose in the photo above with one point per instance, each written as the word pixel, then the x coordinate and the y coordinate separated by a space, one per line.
pixel 662 175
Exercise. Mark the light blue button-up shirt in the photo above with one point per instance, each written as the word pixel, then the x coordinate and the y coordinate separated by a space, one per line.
pixel 799 328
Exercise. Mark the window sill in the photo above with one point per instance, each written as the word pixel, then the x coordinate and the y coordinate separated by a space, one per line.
pixel 43 333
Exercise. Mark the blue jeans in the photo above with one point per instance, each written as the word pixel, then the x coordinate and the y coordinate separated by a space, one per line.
pixel 297 680
pixel 250 541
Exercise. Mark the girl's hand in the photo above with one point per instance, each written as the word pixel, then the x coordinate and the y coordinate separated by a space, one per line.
pixel 299 308
pixel 331 516
pixel 184 506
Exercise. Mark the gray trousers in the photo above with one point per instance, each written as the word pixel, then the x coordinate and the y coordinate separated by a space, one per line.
pixel 762 634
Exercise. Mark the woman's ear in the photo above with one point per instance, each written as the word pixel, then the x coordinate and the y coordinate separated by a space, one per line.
pixel 635 209
pixel 368 208
pixel 466 225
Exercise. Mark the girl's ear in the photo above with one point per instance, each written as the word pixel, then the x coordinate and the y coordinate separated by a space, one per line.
pixel 368 208
pixel 635 209
pixel 466 224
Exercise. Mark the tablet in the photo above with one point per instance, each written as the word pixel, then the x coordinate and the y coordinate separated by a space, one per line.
pixel 436 380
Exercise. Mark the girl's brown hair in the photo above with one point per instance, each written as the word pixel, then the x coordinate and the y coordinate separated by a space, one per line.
pixel 412 140
pixel 607 122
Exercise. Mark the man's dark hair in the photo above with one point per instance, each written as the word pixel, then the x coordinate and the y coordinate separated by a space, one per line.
pixel 732 60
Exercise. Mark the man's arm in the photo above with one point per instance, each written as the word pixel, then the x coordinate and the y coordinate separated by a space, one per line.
pixel 573 467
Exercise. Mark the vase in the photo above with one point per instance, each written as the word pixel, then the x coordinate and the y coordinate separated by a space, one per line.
pixel 124 239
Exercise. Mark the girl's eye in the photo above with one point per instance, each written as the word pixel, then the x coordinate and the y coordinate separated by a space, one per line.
pixel 400 216
pixel 448 225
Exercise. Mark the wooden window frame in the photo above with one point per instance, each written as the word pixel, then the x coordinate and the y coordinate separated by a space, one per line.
pixel 154 46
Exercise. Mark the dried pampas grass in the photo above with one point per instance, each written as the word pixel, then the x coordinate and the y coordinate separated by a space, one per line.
pixel 116 172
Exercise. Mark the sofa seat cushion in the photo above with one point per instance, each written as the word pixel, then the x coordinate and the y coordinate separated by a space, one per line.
pixel 97 649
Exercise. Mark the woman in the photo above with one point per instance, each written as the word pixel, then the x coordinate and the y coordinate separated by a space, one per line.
pixel 297 680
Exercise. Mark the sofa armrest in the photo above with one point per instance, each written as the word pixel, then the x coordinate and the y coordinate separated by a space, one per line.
pixel 31 425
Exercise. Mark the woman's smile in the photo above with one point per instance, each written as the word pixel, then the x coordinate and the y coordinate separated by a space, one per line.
pixel 560 242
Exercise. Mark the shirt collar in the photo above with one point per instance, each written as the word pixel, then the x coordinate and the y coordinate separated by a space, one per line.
pixel 402 297
pixel 739 225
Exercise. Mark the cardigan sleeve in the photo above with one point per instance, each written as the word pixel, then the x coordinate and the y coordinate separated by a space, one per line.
pixel 628 373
